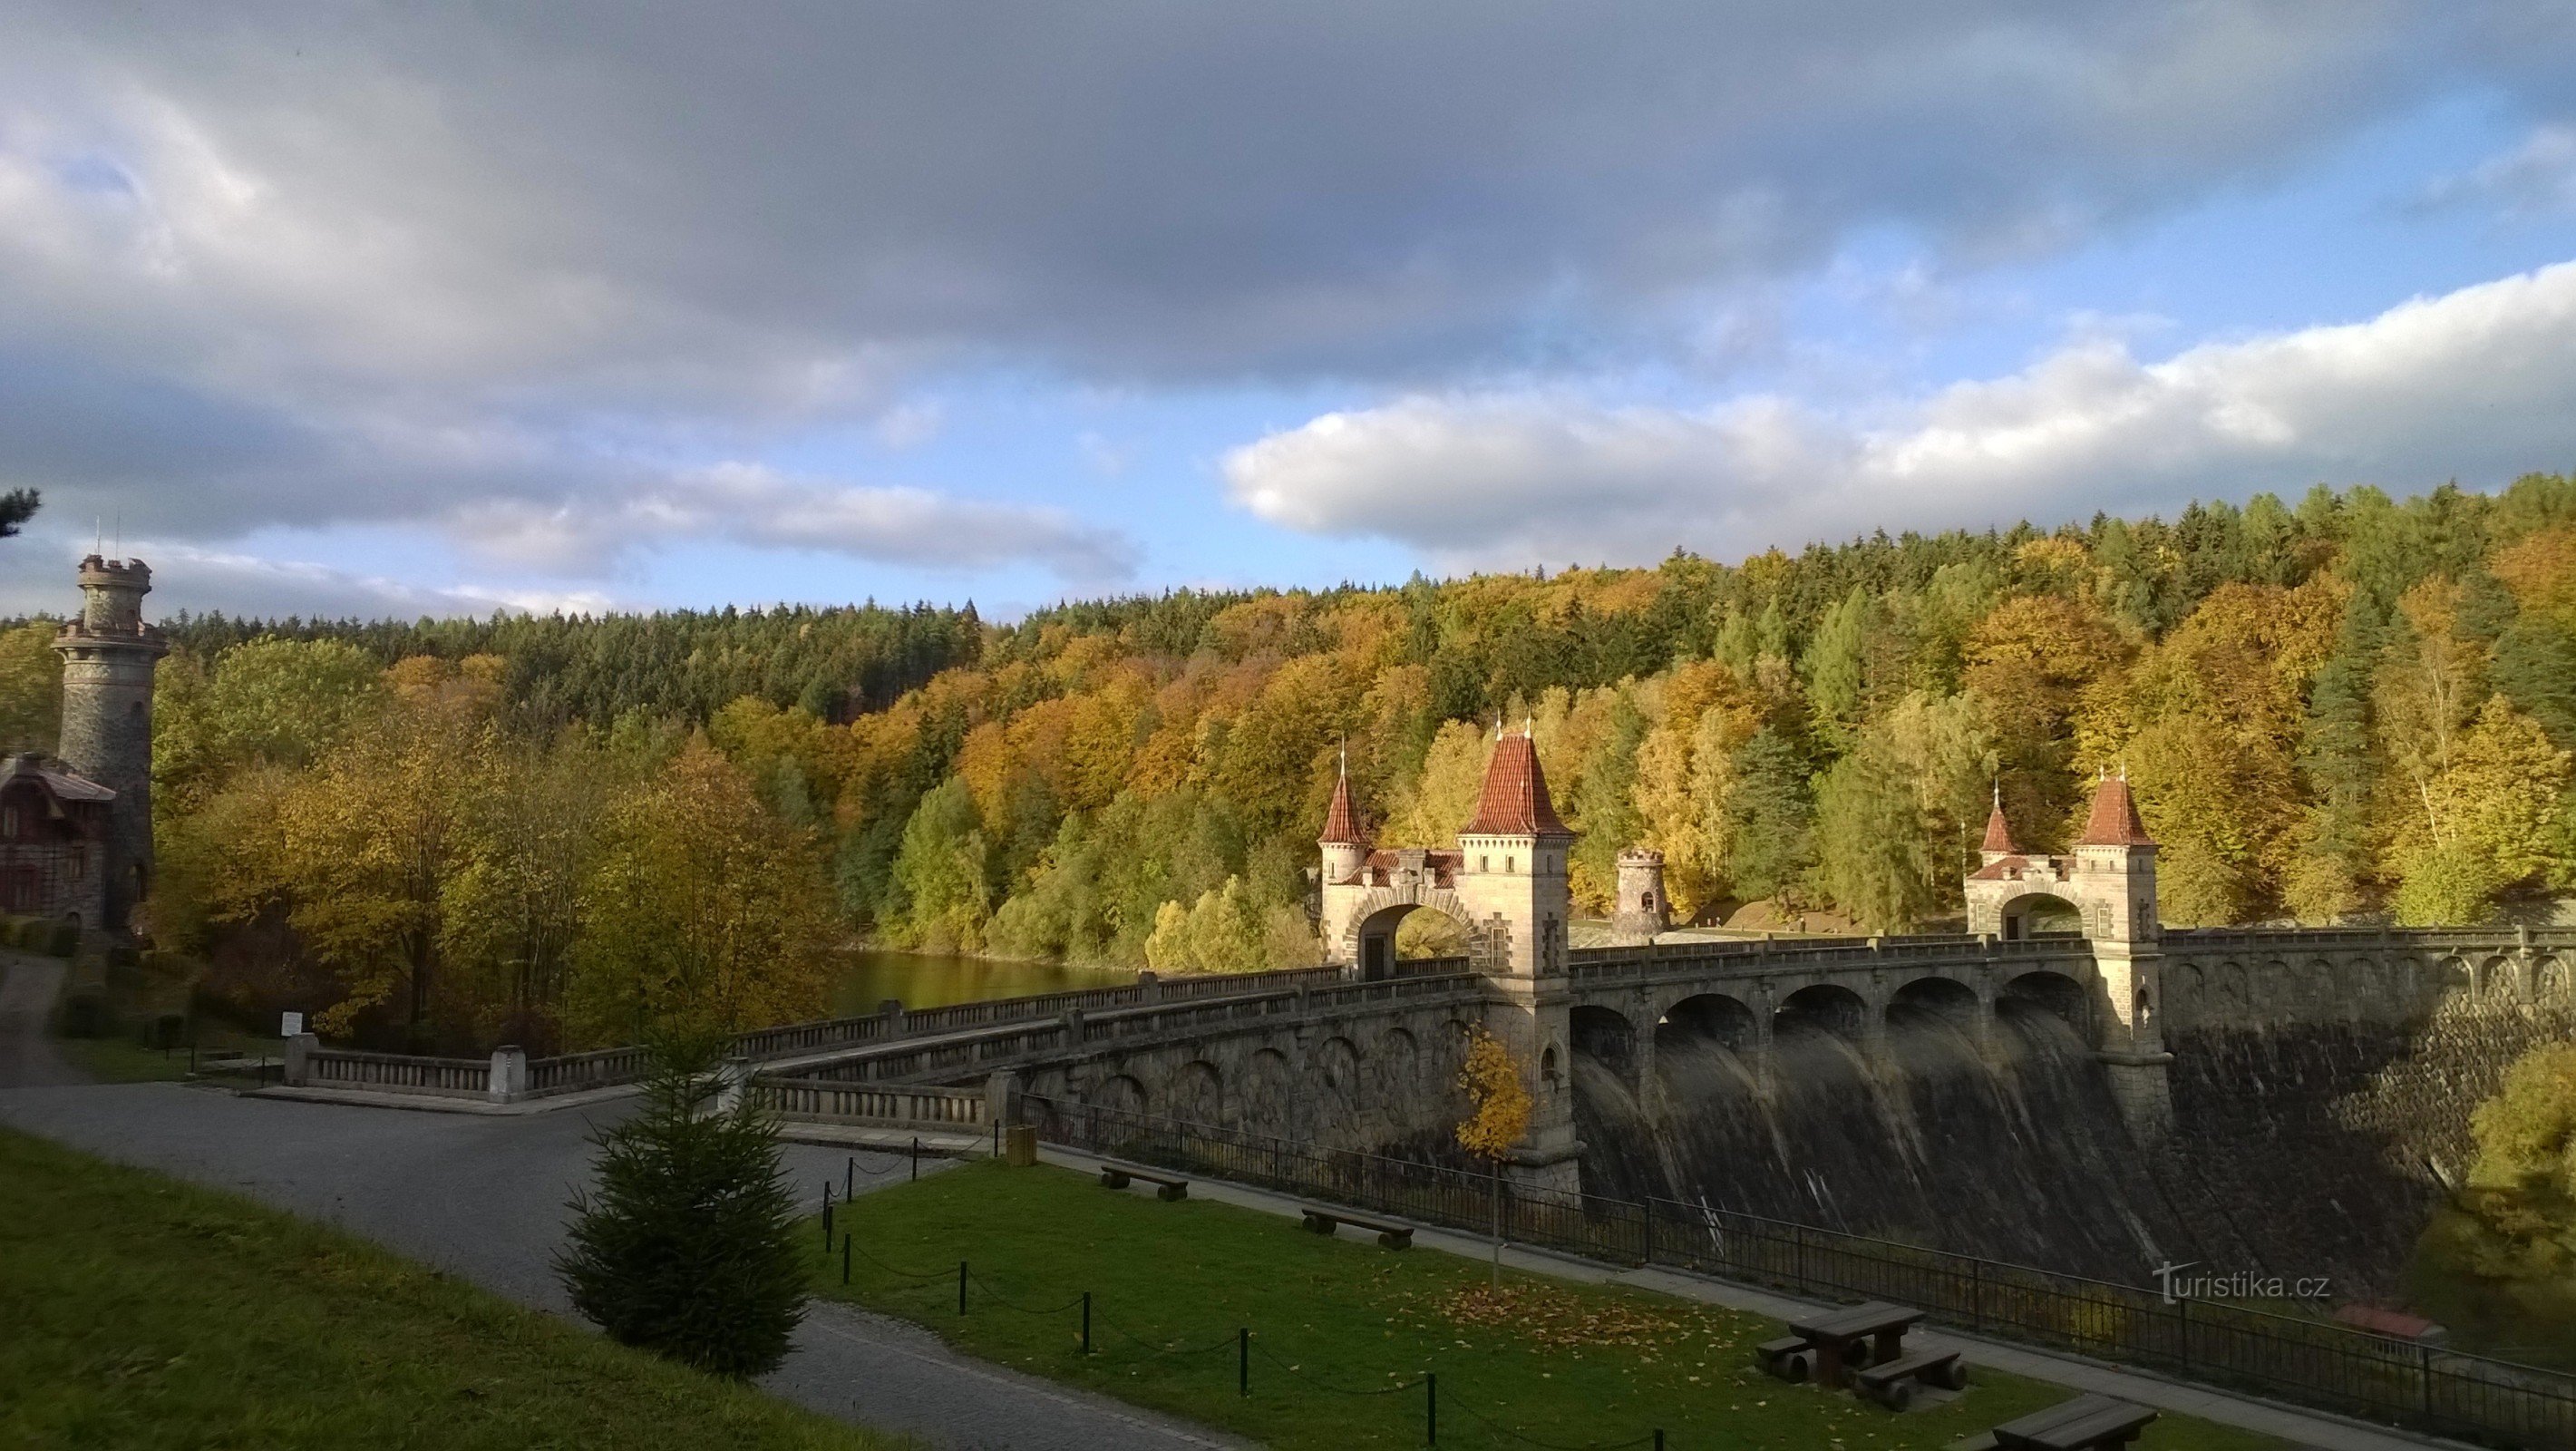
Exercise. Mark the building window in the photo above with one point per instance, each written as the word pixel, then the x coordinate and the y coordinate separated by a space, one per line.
pixel 1484 864
pixel 8 821
pixel 1510 864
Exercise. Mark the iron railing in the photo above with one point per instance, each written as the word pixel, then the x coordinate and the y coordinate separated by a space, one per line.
pixel 2327 1366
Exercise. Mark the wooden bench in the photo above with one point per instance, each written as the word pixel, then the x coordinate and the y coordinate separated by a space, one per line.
pixel 1790 1357
pixel 1323 1219
pixel 1115 1174
pixel 1892 1385
pixel 2086 1423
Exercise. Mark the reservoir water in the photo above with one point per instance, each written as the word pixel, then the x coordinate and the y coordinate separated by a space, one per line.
pixel 867 977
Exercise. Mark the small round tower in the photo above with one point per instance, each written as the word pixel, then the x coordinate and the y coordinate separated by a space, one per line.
pixel 1642 910
pixel 108 658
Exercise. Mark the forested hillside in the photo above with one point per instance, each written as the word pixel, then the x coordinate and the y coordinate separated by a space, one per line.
pixel 2353 705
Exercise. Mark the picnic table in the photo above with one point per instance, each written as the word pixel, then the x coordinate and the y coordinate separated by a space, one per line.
pixel 2086 1423
pixel 1859 1335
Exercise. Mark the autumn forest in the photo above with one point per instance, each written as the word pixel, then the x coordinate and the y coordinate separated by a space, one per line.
pixel 563 831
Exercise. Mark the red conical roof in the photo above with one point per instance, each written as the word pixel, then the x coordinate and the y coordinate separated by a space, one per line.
pixel 1514 801
pixel 1342 819
pixel 2114 821
pixel 1999 837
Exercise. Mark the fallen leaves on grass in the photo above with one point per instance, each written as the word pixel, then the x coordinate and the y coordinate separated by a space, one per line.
pixel 1563 1321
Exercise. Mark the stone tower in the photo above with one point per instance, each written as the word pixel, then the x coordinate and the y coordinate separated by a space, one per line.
pixel 1511 885
pixel 2110 881
pixel 108 658
pixel 1642 910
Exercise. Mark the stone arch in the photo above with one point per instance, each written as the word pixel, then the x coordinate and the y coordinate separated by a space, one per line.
pixel 1368 938
pixel 1821 1008
pixel 1119 1092
pixel 1397 1069
pixel 1605 1036
pixel 2549 980
pixel 1267 1102
pixel 2454 978
pixel 1710 1018
pixel 2042 912
pixel 1337 1065
pixel 2496 979
pixel 1196 1093
pixel 2045 992
pixel 1933 999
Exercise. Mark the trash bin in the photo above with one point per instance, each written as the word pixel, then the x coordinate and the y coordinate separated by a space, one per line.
pixel 1020 1145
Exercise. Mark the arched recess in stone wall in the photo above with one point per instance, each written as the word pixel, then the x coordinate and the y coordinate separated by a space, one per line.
pixel 2053 993
pixel 2496 980
pixel 1118 1092
pixel 1266 1103
pixel 1196 1093
pixel 2550 981
pixel 1933 1000
pixel 1825 1008
pixel 1605 1036
pixel 1398 1070
pixel 1713 1019
pixel 2454 979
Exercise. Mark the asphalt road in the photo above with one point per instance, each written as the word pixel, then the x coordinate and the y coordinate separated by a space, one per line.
pixel 483 1198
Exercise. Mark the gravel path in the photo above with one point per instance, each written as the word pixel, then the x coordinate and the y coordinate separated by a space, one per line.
pixel 483 1198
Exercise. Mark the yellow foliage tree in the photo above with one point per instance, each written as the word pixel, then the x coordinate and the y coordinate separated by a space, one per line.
pixel 704 912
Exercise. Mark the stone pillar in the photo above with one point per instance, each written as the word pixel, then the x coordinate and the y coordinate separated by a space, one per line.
pixel 509 1074
pixel 2128 1036
pixel 1002 1098
pixel 299 1058
pixel 733 1080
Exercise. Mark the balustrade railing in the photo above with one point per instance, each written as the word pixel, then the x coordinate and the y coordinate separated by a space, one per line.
pixel 810 1101
pixel 393 1072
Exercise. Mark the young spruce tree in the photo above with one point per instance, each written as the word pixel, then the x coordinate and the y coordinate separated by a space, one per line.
pixel 687 1248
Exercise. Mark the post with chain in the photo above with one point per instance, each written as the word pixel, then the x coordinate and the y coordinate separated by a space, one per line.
pixel 849 1178
pixel 961 1287
pixel 827 1216
pixel 1086 1322
pixel 1243 1361
pixel 1431 1408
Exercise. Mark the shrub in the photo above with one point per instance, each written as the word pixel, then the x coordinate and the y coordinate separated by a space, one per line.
pixel 688 1248
pixel 64 939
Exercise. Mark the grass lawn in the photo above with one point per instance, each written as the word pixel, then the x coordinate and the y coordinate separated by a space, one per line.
pixel 1571 1365
pixel 137 1311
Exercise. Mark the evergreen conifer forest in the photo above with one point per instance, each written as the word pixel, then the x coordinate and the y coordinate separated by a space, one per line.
pixel 567 831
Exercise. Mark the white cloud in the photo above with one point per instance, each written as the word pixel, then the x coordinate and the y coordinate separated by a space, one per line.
pixel 203 581
pixel 2478 384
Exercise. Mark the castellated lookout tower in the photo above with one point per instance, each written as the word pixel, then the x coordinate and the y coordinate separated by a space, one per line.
pixel 108 658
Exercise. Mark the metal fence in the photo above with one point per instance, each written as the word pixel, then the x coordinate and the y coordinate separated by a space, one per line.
pixel 2327 1366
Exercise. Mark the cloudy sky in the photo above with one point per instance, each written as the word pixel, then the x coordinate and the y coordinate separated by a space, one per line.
pixel 407 309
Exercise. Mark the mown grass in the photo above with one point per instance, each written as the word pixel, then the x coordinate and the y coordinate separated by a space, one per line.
pixel 1171 1284
pixel 138 1311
